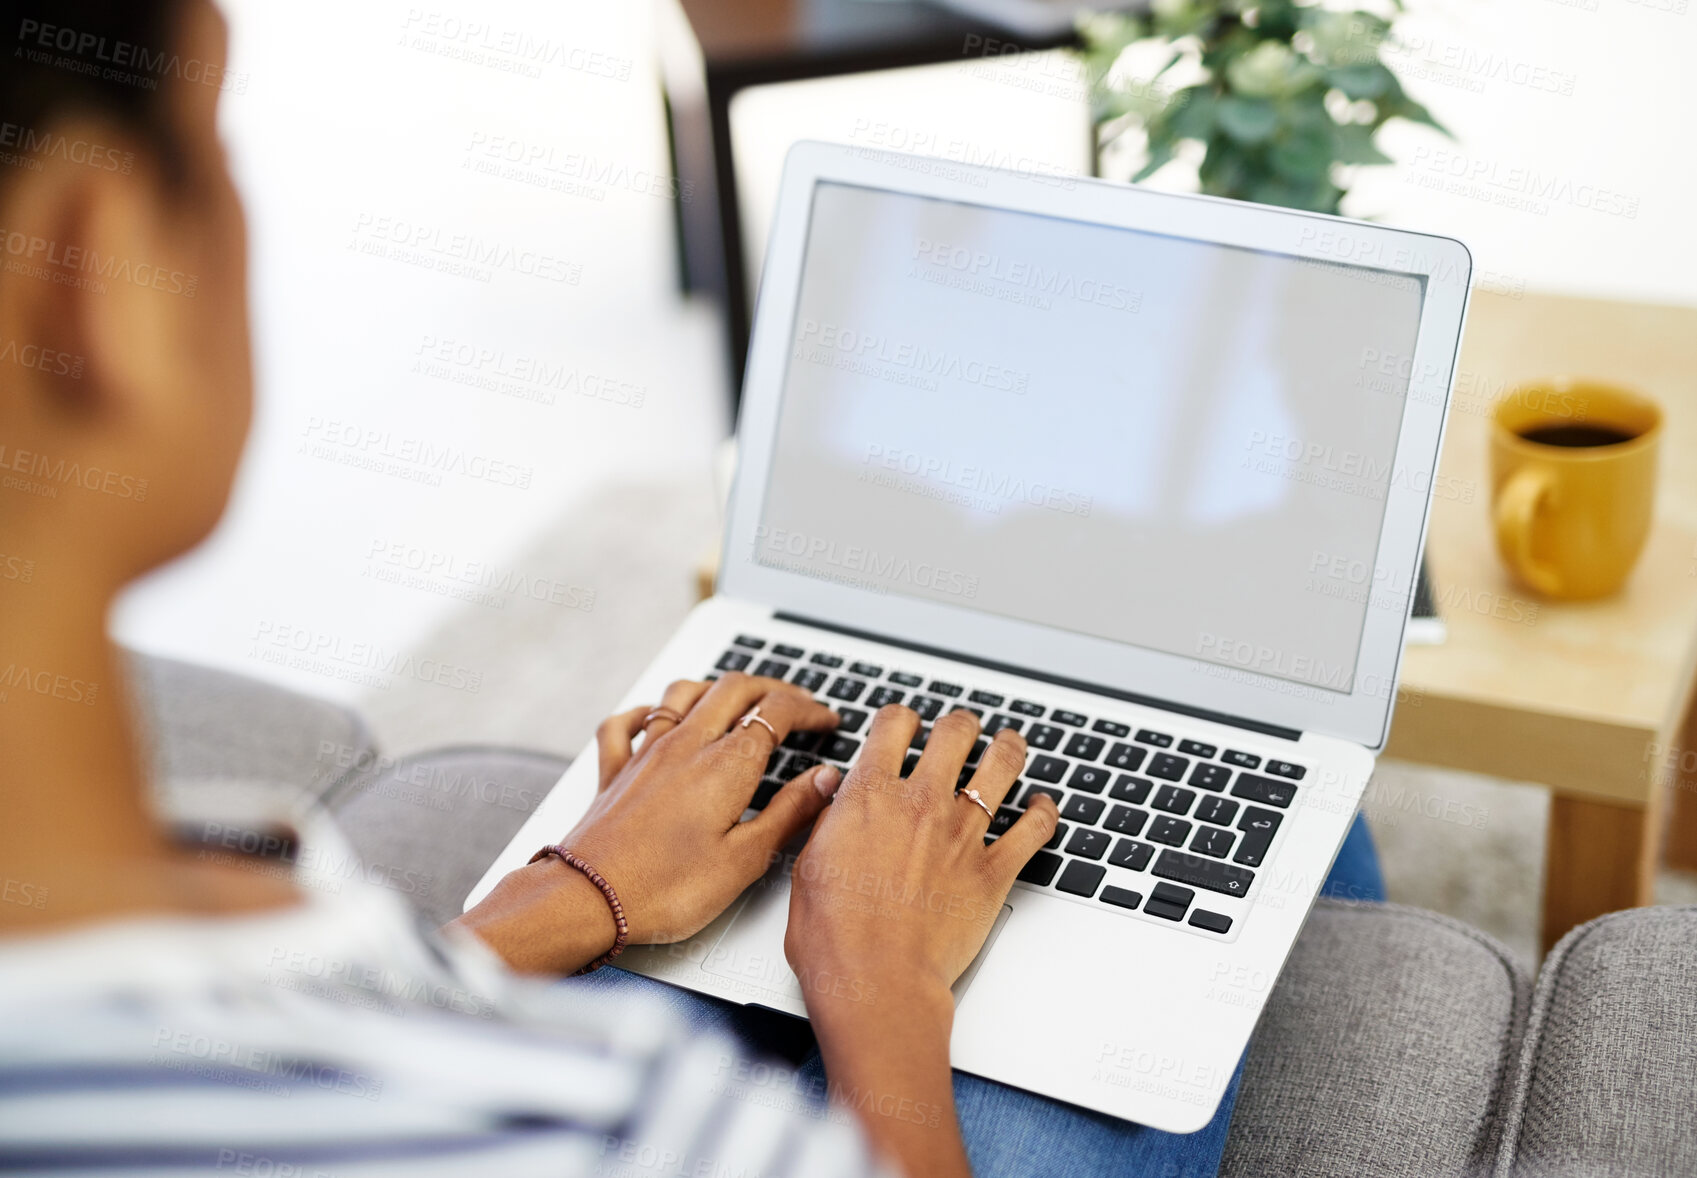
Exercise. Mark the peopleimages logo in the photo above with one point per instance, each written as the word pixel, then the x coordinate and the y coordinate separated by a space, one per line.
pixel 38 257
pixel 880 356
pixel 857 564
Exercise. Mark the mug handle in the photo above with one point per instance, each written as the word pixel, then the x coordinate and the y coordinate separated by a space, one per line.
pixel 1516 508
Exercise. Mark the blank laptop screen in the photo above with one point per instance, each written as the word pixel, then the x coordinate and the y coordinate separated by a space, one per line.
pixel 1168 443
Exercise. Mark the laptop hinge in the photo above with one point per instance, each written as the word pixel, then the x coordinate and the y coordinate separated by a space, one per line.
pixel 1130 697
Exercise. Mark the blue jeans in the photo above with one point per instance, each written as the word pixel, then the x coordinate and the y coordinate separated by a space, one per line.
pixel 1011 1133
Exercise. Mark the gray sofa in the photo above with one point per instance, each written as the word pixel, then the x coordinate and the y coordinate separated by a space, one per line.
pixel 1396 1043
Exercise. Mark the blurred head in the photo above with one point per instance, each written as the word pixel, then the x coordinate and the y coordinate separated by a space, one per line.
pixel 125 376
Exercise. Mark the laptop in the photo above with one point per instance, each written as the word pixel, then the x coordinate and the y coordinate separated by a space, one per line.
pixel 1123 470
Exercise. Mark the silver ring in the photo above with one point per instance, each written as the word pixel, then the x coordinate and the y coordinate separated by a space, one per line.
pixel 754 717
pixel 977 801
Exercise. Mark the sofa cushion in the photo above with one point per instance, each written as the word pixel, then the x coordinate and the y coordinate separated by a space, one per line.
pixel 1607 1082
pixel 434 822
pixel 1384 1049
pixel 201 726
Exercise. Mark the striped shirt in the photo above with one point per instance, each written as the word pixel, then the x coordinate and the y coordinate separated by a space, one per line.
pixel 338 1039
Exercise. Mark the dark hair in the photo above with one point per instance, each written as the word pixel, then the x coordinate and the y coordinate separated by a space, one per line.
pixel 101 58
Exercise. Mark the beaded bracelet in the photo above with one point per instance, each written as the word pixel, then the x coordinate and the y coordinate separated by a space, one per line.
pixel 600 881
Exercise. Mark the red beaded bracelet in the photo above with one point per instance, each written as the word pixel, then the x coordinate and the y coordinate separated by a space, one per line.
pixel 600 881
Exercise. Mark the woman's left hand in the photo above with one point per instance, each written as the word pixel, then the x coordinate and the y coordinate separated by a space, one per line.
pixel 664 829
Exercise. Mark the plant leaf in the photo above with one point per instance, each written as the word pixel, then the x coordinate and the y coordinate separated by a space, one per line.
pixel 1247 120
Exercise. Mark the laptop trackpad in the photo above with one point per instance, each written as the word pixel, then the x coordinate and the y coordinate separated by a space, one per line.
pixel 750 954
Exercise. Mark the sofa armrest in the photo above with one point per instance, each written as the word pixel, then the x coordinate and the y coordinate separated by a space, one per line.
pixel 433 823
pixel 1607 1080
pixel 1385 1049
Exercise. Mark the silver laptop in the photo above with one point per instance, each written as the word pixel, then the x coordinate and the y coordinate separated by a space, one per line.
pixel 1144 476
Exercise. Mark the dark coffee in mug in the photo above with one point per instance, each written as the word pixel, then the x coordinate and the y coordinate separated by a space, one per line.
pixel 1576 435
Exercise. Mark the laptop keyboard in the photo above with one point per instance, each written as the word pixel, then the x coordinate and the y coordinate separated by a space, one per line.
pixel 1183 823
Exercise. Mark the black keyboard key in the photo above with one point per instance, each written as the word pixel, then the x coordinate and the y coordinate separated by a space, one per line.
pixel 1159 739
pixel 826 660
pixel 1168 893
pixel 1132 855
pixel 963 778
pixel 869 670
pixel 1212 921
pixel 1270 790
pixel 1127 757
pixel 1201 872
pixel 884 695
pixel 1050 769
pixel 1003 821
pixel 763 795
pixel 1082 809
pixel 1000 721
pixel 1258 827
pixel 1085 748
pixel 1121 897
pixel 1164 910
pixel 1026 708
pixel 809 679
pixel 804 742
pixel 846 689
pixel 798 764
pixel 1126 820
pixel 1041 789
pixel 905 679
pixel 977 752
pixel 1241 760
pixel 1286 769
pixel 1131 789
pixel 1092 779
pixel 1219 811
pixel 1044 736
pixel 751 643
pixel 732 660
pixel 788 652
pixel 1081 879
pixel 773 761
pixel 853 718
pixel 1167 767
pixel 979 712
pixel 776 668
pixel 838 747
pixel 909 764
pixel 1072 718
pixel 927 707
pixel 921 737
pixel 1212 841
pixel 1212 777
pixel 1172 831
pixel 1196 748
pixel 1111 728
pixel 1056 838
pixel 1174 799
pixel 1041 869
pixel 1088 844
pixel 949 689
pixel 988 698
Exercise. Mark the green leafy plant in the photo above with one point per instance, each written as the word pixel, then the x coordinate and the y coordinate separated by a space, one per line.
pixel 1286 95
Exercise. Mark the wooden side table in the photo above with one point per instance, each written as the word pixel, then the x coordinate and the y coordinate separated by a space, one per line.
pixel 734 44
pixel 1584 698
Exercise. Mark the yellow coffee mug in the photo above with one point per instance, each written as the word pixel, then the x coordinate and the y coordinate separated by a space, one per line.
pixel 1573 480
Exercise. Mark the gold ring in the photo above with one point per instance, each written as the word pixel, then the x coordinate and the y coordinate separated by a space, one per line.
pixel 661 714
pixel 754 717
pixel 972 795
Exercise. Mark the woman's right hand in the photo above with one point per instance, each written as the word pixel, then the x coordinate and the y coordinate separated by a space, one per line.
pixel 890 901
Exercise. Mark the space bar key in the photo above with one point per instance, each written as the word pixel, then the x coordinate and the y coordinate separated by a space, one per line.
pixel 1202 872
